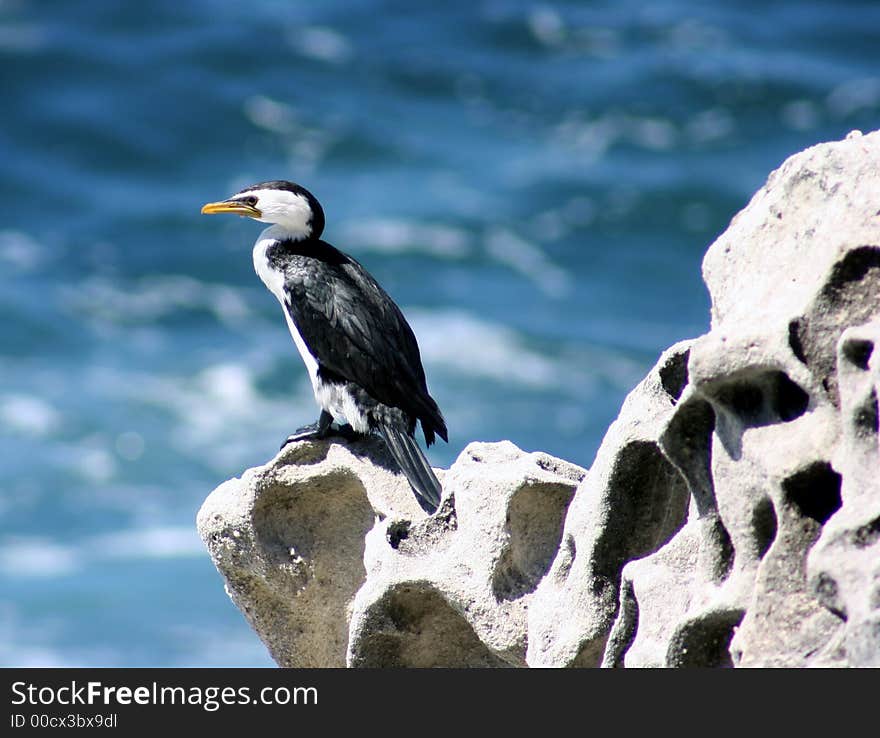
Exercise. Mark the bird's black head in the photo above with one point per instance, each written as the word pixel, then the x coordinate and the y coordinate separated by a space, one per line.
pixel 284 203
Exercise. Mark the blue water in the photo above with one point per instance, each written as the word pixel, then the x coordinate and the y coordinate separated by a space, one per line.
pixel 535 184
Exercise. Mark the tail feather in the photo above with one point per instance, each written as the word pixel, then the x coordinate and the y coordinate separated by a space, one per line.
pixel 414 465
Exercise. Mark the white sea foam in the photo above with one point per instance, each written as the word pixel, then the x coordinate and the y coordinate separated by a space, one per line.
pixel 228 385
pixel 708 125
pixel 321 43
pixel 20 251
pixel 13 653
pixel 36 557
pixel 156 297
pixel 588 138
pixel 658 134
pixel 529 260
pixel 271 115
pixel 221 646
pixel 204 407
pixel 42 557
pixel 92 460
pixel 394 235
pixel 28 415
pixel 547 26
pixel 693 34
pixel 218 414
pixel 164 542
pixel 854 95
pixel 470 346
pixel 29 639
pixel 215 415
pixel 306 144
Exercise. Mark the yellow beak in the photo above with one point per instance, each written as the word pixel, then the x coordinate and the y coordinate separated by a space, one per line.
pixel 231 206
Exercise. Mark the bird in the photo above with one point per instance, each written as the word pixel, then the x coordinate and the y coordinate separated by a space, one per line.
pixel 361 354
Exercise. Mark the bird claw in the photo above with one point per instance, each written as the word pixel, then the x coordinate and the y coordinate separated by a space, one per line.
pixel 306 433
pixel 314 432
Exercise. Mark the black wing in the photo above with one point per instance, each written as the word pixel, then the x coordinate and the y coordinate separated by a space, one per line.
pixel 356 331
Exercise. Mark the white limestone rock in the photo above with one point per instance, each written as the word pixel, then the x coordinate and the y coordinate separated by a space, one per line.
pixel 789 381
pixel 329 557
pixel 632 501
pixel 731 516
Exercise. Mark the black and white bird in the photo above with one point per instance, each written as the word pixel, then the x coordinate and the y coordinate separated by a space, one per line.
pixel 361 355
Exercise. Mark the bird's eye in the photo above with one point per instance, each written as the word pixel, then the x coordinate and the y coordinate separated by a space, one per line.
pixel 250 200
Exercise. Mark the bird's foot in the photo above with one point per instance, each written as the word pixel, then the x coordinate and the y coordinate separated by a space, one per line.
pixel 324 428
pixel 306 433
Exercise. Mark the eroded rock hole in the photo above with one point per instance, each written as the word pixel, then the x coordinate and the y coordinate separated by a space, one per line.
pixel 858 352
pixel 765 398
pixel 414 626
pixel 648 501
pixel 814 491
pixel 826 591
pixel 398 531
pixel 865 418
pixel 867 535
pixel 764 526
pixel 674 374
pixel 705 641
pixel 325 516
pixel 849 297
pixel 718 550
pixel 623 633
pixel 535 519
pixel 688 443
pixel 855 266
pixel 312 534
pixel 795 330
pixel 787 400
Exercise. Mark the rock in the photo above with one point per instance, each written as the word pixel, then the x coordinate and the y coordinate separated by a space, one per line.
pixel 786 469
pixel 632 501
pixel 731 516
pixel 289 539
pixel 329 557
pixel 843 567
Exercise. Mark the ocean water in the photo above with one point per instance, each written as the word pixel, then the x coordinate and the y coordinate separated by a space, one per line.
pixel 534 183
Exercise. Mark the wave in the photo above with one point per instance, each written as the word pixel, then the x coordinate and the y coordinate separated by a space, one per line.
pixel 20 251
pixel 28 415
pixel 41 557
pixel 320 43
pixel 153 298
pixel 398 235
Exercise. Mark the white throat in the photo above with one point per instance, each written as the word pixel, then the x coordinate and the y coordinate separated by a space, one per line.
pixel 286 209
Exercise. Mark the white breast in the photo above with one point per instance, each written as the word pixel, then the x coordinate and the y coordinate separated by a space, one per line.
pixel 274 280
pixel 335 399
